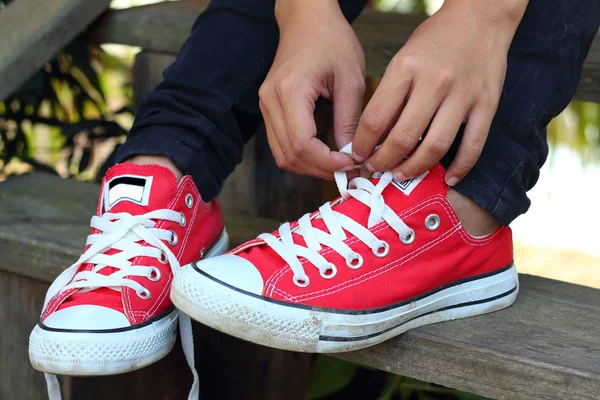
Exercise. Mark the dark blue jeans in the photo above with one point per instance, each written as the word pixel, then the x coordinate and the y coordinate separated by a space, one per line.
pixel 206 108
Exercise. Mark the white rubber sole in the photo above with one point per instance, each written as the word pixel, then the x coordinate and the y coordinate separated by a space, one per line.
pixel 309 329
pixel 82 353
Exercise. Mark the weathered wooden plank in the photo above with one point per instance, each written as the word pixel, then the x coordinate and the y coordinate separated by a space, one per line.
pixel 544 346
pixel 21 302
pixel 163 27
pixel 33 31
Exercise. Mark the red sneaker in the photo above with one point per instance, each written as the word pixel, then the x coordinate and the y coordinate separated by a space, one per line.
pixel 110 312
pixel 384 258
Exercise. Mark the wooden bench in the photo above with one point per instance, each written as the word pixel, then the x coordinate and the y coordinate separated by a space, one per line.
pixel 547 345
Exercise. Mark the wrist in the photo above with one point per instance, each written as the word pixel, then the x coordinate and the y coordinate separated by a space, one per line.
pixel 288 11
pixel 505 15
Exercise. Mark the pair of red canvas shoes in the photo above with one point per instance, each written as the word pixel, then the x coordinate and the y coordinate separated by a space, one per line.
pixel 383 258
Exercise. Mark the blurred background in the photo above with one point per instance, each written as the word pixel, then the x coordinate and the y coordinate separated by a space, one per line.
pixel 72 115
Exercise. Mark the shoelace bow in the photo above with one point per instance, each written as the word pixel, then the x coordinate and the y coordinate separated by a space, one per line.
pixel 362 190
pixel 122 231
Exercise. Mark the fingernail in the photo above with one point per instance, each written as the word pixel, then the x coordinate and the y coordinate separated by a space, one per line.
pixel 452 181
pixel 357 158
pixel 370 167
pixel 399 177
pixel 348 168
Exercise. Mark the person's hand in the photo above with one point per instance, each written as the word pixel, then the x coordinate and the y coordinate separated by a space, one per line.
pixel 318 56
pixel 451 71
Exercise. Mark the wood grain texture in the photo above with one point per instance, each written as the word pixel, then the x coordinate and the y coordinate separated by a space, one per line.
pixel 33 31
pixel 543 347
pixel 163 27
pixel 21 301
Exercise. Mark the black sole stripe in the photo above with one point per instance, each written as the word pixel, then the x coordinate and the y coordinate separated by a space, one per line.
pixel 355 312
pixel 114 330
pixel 128 328
pixel 372 335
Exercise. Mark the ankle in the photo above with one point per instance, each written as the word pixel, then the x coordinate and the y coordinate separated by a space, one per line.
pixel 159 160
pixel 475 220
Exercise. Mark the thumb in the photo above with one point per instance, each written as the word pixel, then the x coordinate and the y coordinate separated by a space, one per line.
pixel 347 105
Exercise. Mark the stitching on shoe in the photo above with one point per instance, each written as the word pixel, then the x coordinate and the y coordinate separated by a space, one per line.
pixel 285 295
pixel 126 295
pixel 166 288
pixel 375 273
pixel 437 199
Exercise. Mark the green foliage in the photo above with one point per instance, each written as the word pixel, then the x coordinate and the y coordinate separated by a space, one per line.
pixel 329 376
pixel 334 379
pixel 66 98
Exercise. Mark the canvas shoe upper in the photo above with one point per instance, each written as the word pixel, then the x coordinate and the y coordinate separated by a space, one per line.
pixel 384 257
pixel 110 312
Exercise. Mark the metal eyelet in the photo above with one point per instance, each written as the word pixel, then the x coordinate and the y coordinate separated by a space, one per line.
pixel 145 294
pixel 355 262
pixel 301 282
pixel 202 253
pixel 409 238
pixel 163 258
pixel 182 222
pixel 154 274
pixel 331 268
pixel 383 249
pixel 189 200
pixel 432 222
pixel 174 239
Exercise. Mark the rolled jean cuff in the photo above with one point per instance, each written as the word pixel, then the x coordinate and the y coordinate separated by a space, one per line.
pixel 505 201
pixel 174 144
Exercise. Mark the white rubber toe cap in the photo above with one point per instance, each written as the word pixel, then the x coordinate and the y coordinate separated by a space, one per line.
pixel 86 317
pixel 235 271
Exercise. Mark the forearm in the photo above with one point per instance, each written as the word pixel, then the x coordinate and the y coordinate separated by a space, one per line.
pixel 292 11
pixel 504 15
pixel 284 9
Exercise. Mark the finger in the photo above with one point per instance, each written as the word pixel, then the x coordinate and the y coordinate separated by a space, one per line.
pixel 440 136
pixel 347 104
pixel 305 147
pixel 272 138
pixel 471 145
pixel 316 151
pixel 405 135
pixel 380 115
pixel 278 141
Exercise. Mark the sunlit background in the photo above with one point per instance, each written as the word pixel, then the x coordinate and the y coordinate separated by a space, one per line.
pixel 557 238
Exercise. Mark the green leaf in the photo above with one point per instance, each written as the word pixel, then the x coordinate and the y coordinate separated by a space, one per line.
pixel 330 375
pixel 391 387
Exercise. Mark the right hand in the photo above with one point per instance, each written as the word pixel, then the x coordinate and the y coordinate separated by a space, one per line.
pixel 318 56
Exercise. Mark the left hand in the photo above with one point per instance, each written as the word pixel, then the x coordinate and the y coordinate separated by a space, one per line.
pixel 451 71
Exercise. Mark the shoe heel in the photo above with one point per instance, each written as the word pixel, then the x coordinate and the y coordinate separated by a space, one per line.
pixel 220 246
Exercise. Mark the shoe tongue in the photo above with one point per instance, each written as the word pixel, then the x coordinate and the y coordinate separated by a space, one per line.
pixel 399 195
pixel 138 189
pixel 404 194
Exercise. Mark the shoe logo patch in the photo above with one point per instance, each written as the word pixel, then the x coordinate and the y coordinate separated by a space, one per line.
pixel 135 189
pixel 406 186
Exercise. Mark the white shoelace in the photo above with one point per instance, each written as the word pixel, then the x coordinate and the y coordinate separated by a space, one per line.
pixel 362 190
pixel 121 232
